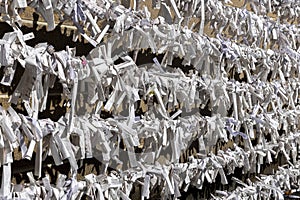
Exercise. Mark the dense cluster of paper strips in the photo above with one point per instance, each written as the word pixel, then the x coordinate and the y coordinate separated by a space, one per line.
pixel 263 106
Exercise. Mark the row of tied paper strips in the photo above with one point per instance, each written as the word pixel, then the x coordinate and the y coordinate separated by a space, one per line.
pixel 260 107
pixel 252 29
